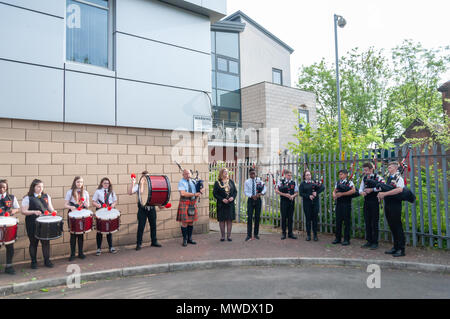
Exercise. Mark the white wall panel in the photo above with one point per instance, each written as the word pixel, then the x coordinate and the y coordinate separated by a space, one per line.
pixel 54 7
pixel 31 37
pixel 90 99
pixel 162 22
pixel 154 62
pixel 30 92
pixel 153 106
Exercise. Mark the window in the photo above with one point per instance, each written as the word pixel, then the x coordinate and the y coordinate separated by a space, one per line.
pixel 277 76
pixel 303 118
pixel 231 100
pixel 87 36
pixel 227 81
pixel 227 44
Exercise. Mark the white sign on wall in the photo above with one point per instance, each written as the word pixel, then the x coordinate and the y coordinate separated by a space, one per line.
pixel 202 123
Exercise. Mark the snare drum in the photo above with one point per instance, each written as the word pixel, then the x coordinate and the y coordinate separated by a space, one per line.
pixel 80 221
pixel 8 230
pixel 107 221
pixel 48 227
pixel 154 190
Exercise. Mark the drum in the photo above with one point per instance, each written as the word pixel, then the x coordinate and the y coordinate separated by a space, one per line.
pixel 107 221
pixel 154 190
pixel 8 230
pixel 49 227
pixel 80 221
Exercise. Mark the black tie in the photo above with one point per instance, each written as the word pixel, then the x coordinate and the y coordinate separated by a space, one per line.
pixel 253 188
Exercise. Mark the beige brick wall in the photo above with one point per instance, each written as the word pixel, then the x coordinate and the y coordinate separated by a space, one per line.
pixel 56 152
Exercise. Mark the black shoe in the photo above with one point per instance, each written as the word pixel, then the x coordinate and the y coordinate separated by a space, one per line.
pixel 190 241
pixel 222 239
pixel 82 256
pixel 10 270
pixel 248 238
pixel 72 257
pixel 336 241
pixel 256 237
pixel 48 264
pixel 308 238
pixel 316 238
pixel 345 243
pixel 399 253
pixel 138 247
pixel 184 242
pixel 373 246
pixel 156 244
pixel 34 265
pixel 283 237
pixel 391 252
pixel 291 236
pixel 229 239
pixel 366 245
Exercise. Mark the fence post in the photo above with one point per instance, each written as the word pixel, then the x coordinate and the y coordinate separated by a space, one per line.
pixel 444 181
pixel 239 171
pixel 413 206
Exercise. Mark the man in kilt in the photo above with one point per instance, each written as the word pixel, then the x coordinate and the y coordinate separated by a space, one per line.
pixel 187 209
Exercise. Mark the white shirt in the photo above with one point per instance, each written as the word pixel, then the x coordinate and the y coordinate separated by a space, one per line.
pixel 350 183
pixel 135 188
pixel 248 186
pixel 100 195
pixel 70 198
pixel 15 204
pixel 26 200
pixel 400 182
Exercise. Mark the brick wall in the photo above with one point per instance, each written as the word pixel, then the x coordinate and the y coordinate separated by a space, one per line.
pixel 57 152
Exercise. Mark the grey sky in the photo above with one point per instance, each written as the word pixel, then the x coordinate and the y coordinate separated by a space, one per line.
pixel 307 26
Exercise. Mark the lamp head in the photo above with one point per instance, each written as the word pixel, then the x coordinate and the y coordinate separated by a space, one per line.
pixel 341 22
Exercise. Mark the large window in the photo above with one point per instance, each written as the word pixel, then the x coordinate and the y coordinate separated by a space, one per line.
pixel 226 76
pixel 277 76
pixel 87 36
pixel 303 118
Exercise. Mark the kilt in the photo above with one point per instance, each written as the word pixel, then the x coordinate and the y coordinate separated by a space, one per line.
pixel 182 214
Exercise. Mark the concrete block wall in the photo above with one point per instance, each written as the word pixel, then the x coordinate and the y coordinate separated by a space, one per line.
pixel 57 152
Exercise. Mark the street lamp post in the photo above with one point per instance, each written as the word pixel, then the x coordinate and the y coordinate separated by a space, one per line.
pixel 338 21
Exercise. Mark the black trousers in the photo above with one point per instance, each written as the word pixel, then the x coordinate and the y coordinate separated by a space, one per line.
pixel 73 243
pixel 100 240
pixel 343 215
pixel 9 254
pixel 393 210
pixel 371 219
pixel 143 215
pixel 287 215
pixel 34 242
pixel 253 209
pixel 311 210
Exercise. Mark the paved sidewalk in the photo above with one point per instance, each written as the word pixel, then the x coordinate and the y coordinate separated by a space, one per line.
pixel 210 248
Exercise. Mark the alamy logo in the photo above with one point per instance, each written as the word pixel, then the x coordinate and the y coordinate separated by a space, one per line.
pixel 73 280
pixel 374 280
pixel 73 16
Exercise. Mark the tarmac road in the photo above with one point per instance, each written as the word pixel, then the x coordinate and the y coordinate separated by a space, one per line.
pixel 285 282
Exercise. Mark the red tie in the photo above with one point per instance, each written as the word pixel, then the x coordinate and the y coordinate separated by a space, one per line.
pixel 106 197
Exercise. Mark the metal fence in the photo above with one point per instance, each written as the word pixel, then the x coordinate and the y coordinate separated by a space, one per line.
pixel 426 222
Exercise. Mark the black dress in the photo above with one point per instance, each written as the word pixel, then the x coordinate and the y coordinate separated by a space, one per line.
pixel 225 212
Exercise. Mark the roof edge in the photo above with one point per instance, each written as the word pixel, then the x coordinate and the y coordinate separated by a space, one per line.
pixel 228 26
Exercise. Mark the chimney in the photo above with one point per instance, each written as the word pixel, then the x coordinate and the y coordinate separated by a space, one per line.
pixel 445 90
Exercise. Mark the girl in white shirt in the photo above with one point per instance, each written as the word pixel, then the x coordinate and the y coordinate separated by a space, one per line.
pixel 34 205
pixel 104 195
pixel 77 197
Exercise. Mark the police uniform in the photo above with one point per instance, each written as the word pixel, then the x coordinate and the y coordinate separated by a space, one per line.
pixel 8 202
pixel 287 206
pixel 343 213
pixel 77 202
pixel 393 211
pixel 371 208
pixel 144 213
pixel 252 187
pixel 41 203
pixel 103 196
pixel 311 207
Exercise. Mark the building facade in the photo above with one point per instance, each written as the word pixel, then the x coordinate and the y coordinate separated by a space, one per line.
pixel 104 88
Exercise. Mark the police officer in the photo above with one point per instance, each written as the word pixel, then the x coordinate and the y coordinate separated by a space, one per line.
pixel 369 191
pixel 254 189
pixel 393 210
pixel 288 191
pixel 342 194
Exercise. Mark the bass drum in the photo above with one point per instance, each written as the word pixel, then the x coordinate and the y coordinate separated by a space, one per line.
pixel 154 190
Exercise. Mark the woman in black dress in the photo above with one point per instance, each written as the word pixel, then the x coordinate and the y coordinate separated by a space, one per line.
pixel 309 191
pixel 225 193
